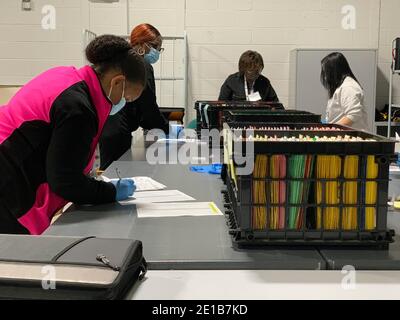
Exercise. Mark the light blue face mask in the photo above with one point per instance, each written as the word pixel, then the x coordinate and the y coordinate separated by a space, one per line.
pixel 120 105
pixel 153 56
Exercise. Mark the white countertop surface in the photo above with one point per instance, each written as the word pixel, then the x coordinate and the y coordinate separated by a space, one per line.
pixel 266 285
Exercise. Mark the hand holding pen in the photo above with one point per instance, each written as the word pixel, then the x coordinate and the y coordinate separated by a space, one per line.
pixel 124 187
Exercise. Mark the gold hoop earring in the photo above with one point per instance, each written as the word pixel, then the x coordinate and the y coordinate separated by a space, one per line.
pixel 140 51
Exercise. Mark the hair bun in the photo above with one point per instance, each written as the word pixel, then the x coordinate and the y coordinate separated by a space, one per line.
pixel 106 48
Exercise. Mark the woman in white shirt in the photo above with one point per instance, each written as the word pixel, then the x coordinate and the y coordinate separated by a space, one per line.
pixel 346 97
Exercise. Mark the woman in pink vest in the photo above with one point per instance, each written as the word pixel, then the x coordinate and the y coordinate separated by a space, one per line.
pixel 49 132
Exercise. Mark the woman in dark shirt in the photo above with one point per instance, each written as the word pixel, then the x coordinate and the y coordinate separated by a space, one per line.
pixel 144 112
pixel 258 87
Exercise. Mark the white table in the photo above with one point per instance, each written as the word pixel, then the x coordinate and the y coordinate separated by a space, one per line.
pixel 265 285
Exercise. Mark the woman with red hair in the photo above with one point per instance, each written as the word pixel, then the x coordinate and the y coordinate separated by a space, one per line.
pixel 144 112
pixel 147 41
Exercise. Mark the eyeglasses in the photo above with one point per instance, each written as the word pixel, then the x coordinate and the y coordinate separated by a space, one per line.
pixel 161 50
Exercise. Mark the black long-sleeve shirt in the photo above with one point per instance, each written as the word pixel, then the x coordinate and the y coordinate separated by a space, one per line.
pixel 144 112
pixel 233 89
pixel 75 126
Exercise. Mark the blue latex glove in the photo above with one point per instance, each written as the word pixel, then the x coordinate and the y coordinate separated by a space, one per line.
pixel 210 169
pixel 125 189
pixel 175 130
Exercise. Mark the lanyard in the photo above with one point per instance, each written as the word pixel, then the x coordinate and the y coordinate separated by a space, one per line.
pixel 246 89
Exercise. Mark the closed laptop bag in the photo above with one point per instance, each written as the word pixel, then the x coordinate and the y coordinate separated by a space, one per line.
pixel 56 268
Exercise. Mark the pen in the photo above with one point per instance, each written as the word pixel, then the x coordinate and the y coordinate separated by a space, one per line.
pixel 118 175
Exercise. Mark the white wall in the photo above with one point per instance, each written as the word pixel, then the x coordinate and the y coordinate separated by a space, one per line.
pixel 218 32
pixel 26 49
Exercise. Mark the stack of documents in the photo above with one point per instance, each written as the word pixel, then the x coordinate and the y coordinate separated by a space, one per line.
pixel 152 201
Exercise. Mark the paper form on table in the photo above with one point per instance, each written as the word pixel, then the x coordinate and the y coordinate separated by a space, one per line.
pixel 157 197
pixel 142 183
pixel 182 209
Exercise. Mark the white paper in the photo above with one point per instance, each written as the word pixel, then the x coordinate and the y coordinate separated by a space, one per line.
pixel 142 183
pixel 147 184
pixel 195 209
pixel 157 197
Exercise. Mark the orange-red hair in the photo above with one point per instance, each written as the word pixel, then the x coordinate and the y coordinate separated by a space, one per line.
pixel 144 33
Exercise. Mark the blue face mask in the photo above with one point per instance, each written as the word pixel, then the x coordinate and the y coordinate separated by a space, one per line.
pixel 120 105
pixel 153 56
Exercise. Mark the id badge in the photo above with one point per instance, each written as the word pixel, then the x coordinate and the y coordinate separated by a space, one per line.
pixel 255 96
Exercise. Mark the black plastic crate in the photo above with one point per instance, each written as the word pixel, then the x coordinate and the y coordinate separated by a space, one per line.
pixel 211 114
pixel 289 209
pixel 268 116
